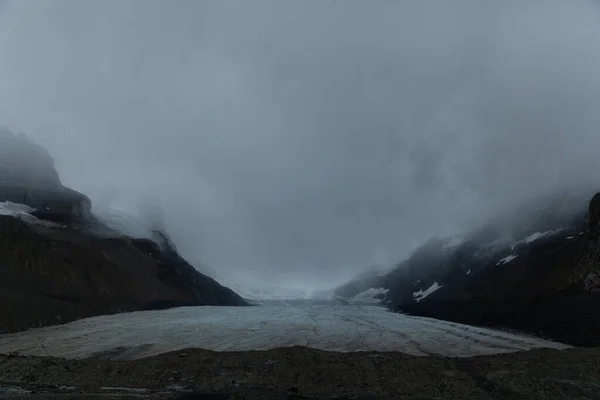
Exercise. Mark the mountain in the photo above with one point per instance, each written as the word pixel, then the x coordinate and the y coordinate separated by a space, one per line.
pixel 534 270
pixel 272 292
pixel 59 262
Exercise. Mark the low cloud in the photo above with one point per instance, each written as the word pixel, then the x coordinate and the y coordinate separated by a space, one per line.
pixel 300 142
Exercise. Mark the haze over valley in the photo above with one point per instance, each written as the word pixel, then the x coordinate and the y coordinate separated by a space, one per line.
pixel 297 144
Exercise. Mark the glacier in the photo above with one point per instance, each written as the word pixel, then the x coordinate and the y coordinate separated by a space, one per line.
pixel 320 325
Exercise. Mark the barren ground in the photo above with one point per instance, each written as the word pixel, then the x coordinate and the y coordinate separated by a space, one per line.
pixel 299 372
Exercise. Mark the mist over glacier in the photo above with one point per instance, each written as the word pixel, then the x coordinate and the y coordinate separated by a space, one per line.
pixel 295 144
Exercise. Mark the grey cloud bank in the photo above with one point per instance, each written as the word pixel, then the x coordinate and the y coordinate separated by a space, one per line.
pixel 300 142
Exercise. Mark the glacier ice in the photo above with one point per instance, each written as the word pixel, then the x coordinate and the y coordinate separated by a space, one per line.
pixel 332 327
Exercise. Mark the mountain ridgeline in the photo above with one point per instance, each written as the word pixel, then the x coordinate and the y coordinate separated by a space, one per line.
pixel 58 262
pixel 536 270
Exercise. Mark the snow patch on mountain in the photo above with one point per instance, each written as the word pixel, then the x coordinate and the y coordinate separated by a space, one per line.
pixel 454 242
pixel 16 210
pixel 23 212
pixel 421 294
pixel 372 295
pixel 538 235
pixel 533 237
pixel 507 259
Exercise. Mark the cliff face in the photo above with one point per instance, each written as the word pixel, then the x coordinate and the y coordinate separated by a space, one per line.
pixel 54 268
pixel 588 271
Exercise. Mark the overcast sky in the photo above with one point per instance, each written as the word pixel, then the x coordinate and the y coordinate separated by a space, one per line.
pixel 297 142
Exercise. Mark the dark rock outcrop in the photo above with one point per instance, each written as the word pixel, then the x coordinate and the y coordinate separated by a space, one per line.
pixel 28 176
pixel 594 216
pixel 175 271
pixel 536 271
pixel 588 271
pixel 55 273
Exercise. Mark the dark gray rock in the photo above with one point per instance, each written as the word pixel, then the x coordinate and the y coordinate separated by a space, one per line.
pixel 28 176
pixel 535 271
pixel 81 268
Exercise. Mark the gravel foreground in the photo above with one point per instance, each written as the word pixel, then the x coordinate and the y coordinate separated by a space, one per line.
pixel 303 373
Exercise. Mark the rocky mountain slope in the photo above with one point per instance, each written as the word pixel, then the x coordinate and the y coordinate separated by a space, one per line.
pixel 58 262
pixel 535 270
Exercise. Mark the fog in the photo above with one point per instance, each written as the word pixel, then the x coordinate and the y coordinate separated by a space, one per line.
pixel 296 143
